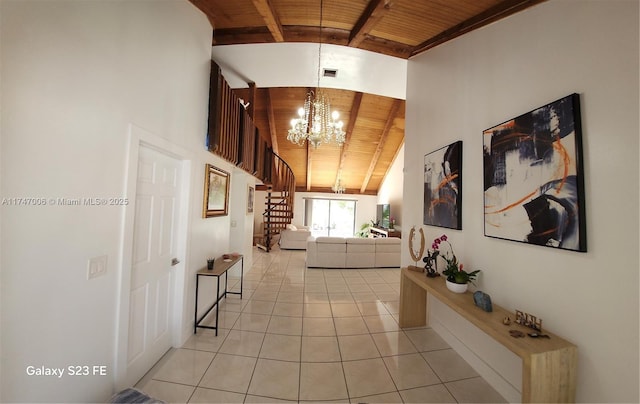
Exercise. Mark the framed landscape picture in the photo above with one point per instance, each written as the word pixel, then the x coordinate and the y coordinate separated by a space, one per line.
pixel 216 192
pixel 443 187
pixel 533 177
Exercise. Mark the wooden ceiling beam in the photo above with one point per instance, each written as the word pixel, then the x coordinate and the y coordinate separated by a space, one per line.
pixel 499 11
pixel 383 138
pixel 268 13
pixel 232 36
pixel 296 33
pixel 386 47
pixel 303 33
pixel 328 190
pixel 272 123
pixel 292 33
pixel 370 17
pixel 353 116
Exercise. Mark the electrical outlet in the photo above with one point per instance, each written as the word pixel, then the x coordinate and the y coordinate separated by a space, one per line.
pixel 97 266
pixel 234 223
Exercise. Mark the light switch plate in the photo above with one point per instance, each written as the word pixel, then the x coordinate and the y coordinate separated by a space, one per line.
pixel 96 266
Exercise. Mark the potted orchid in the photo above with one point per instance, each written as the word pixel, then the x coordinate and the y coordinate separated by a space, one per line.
pixel 454 271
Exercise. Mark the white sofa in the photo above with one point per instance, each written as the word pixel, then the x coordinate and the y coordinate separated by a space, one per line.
pixel 352 252
pixel 294 238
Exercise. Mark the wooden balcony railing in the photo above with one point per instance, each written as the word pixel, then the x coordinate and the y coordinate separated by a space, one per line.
pixel 233 136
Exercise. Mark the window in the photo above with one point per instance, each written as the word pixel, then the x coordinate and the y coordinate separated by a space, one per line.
pixel 330 217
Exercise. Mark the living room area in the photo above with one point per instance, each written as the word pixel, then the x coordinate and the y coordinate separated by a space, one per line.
pixel 361 212
pixel 87 85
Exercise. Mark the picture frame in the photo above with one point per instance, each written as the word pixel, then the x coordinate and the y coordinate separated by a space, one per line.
pixel 216 192
pixel 443 187
pixel 533 177
pixel 250 199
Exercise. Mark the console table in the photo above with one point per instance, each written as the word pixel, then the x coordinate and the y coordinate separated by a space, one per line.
pixel 548 365
pixel 220 267
pixel 380 232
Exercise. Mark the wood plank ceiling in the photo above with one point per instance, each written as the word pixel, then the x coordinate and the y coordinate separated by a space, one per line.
pixel 374 124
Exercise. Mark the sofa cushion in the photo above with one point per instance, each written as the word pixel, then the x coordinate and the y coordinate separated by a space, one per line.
pixel 360 240
pixel 361 248
pixel 339 252
pixel 330 240
pixel 326 245
pixel 325 253
pixel 387 244
pixel 360 252
pixel 388 252
pixel 294 239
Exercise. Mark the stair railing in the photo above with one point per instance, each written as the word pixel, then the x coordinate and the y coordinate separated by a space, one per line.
pixel 278 215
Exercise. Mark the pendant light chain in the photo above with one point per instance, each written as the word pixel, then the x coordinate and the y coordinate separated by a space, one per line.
pixel 316 123
pixel 319 45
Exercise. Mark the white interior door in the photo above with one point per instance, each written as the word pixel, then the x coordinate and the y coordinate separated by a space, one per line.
pixel 154 247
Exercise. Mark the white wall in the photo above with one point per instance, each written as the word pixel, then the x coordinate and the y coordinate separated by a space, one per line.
pixel 358 69
pixel 241 234
pixel 457 90
pixel 259 206
pixel 75 75
pixel 391 188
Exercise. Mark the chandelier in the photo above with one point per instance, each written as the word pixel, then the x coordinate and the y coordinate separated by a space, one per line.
pixel 338 188
pixel 316 123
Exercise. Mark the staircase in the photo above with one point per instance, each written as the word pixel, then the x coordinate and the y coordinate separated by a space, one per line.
pixel 278 212
pixel 232 135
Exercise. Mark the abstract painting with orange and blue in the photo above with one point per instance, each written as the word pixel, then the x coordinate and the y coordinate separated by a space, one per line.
pixel 443 187
pixel 533 177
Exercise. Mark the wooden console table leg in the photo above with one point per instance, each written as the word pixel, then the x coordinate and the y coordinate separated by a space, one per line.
pixel 413 303
pixel 550 377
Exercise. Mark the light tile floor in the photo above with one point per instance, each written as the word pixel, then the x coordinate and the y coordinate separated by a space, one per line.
pixel 314 335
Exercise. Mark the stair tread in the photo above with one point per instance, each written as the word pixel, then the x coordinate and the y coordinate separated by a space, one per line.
pixel 278 213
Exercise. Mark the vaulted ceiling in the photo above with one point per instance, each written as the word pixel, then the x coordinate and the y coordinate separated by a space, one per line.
pixel 374 123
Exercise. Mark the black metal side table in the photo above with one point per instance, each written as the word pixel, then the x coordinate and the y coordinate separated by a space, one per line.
pixel 220 267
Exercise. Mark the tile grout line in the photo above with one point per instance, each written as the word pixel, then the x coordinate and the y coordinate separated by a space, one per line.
pixel 277 272
pixel 246 393
pixel 253 372
pixel 301 340
pixel 344 373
